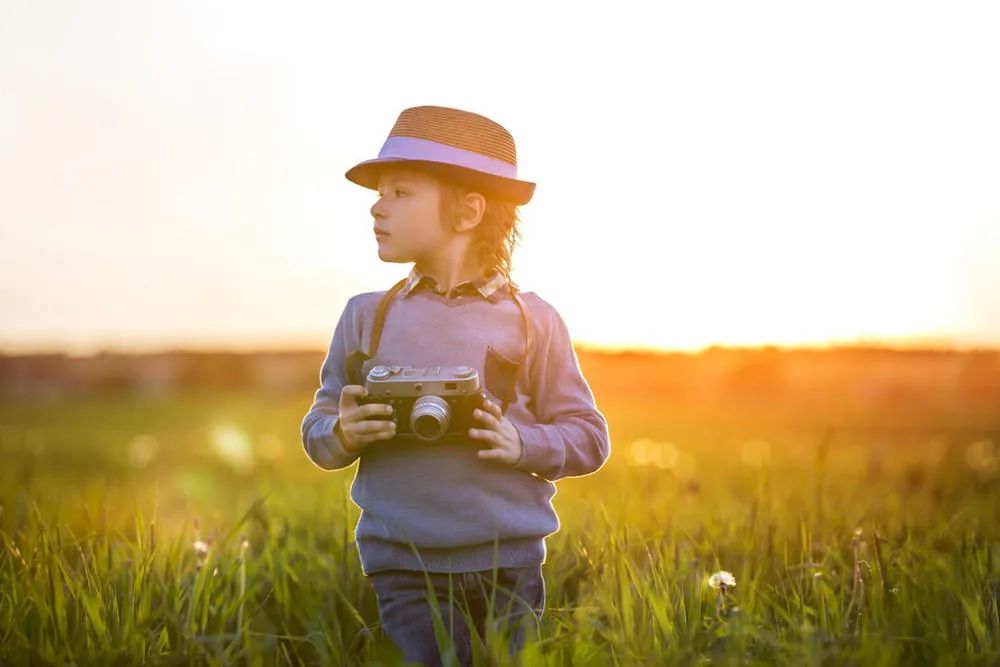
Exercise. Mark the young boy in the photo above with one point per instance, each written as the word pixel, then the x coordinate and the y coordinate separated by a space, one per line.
pixel 468 515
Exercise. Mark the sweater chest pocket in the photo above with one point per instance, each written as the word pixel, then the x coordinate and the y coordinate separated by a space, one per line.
pixel 501 375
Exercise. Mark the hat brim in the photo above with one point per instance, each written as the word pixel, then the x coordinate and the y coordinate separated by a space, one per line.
pixel 366 174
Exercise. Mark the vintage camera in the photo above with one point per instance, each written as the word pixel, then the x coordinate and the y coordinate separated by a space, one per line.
pixel 428 403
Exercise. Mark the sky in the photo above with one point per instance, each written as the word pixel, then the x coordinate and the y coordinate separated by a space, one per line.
pixel 172 173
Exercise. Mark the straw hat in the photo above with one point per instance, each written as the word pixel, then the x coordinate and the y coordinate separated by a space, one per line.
pixel 459 145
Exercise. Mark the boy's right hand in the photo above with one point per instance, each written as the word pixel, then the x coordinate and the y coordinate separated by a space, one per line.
pixel 353 428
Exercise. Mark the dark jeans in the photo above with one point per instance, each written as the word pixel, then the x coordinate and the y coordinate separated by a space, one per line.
pixel 518 603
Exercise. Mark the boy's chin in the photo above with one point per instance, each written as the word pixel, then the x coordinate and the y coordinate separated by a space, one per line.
pixel 387 256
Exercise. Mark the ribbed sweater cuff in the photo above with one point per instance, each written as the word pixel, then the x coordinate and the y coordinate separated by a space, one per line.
pixel 331 454
pixel 537 451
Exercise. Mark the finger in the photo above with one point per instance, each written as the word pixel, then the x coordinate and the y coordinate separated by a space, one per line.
pixel 384 434
pixel 491 437
pixel 493 408
pixel 373 410
pixel 489 420
pixel 350 394
pixel 373 426
pixel 490 454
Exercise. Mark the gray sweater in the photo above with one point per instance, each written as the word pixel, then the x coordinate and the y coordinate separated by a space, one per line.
pixel 436 505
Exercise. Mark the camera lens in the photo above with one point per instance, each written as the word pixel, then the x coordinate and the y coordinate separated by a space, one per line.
pixel 430 417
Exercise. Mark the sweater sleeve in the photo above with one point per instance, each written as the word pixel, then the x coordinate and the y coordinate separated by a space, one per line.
pixel 571 438
pixel 319 439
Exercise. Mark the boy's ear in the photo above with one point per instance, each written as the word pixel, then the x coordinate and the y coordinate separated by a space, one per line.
pixel 470 212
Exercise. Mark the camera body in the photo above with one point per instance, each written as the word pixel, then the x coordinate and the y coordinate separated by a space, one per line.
pixel 429 403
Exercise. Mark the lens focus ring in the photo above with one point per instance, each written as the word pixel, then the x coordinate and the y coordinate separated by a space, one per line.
pixel 430 417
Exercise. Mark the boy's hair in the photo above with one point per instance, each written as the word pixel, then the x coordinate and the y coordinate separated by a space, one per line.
pixel 497 233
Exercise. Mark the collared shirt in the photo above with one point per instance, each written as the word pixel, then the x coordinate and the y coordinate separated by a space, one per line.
pixel 492 287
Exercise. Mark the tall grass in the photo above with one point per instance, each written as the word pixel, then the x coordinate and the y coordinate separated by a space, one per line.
pixel 195 531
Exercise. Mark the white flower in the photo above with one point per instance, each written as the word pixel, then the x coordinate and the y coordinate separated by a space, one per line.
pixel 722 579
pixel 201 548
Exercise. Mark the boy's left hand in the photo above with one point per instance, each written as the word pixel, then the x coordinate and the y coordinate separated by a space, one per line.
pixel 502 436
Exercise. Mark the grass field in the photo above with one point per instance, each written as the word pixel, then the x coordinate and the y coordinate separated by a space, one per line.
pixel 850 542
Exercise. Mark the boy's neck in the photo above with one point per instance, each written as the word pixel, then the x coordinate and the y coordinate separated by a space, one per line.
pixel 450 277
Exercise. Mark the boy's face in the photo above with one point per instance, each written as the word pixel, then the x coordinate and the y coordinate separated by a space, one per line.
pixel 408 212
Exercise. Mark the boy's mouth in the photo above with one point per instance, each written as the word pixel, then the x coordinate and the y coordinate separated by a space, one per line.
pixel 379 233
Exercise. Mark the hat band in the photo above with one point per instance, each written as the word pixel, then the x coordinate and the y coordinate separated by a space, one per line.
pixel 412 148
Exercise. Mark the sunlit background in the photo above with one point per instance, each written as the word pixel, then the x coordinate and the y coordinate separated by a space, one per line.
pixel 171 174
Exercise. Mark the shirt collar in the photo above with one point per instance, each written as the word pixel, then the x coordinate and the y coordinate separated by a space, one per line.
pixel 490 287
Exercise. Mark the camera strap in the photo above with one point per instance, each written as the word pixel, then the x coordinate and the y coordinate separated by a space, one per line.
pixel 356 358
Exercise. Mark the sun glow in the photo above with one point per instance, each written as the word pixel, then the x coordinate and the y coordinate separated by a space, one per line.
pixel 176 177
